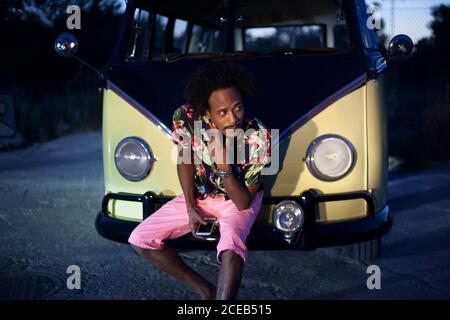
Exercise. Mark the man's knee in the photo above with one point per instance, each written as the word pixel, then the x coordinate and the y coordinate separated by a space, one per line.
pixel 233 243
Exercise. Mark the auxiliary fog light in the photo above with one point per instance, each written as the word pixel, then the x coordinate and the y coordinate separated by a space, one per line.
pixel 288 217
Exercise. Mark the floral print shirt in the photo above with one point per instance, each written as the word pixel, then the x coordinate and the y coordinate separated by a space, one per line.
pixel 247 169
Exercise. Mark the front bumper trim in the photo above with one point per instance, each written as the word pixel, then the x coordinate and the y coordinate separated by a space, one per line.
pixel 264 237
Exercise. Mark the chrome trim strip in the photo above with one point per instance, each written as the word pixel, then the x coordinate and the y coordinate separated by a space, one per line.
pixel 161 126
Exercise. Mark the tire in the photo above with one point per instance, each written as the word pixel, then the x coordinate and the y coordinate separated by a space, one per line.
pixel 368 250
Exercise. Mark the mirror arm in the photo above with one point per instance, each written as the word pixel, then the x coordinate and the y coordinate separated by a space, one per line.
pixel 87 64
pixel 101 74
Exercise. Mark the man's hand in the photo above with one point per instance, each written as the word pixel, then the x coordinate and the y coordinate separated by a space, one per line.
pixel 194 220
pixel 219 152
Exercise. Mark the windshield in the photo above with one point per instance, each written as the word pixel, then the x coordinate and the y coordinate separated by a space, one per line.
pixel 163 29
pixel 269 39
pixel 310 25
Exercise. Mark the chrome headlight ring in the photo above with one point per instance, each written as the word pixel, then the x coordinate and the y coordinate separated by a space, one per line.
pixel 133 158
pixel 330 157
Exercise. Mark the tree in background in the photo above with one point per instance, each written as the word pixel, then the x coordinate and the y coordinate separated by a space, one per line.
pixel 441 29
pixel 29 30
pixel 54 96
pixel 423 86
pixel 435 53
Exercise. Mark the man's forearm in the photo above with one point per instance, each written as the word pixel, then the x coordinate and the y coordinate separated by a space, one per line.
pixel 238 193
pixel 186 175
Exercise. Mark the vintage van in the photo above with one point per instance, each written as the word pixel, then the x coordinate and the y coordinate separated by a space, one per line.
pixel 318 66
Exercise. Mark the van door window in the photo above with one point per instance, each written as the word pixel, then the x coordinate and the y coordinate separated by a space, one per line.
pixel 159 36
pixel 269 39
pixel 341 37
pixel 160 32
pixel 238 40
pixel 180 33
pixel 138 43
pixel 309 26
pixel 206 39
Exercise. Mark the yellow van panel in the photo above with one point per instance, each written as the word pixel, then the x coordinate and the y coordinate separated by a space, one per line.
pixel 345 117
pixel 121 120
pixel 119 208
pixel 377 142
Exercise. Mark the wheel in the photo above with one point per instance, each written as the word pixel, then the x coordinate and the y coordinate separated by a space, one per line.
pixel 368 250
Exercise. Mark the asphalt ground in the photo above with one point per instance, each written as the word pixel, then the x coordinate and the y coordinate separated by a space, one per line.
pixel 51 193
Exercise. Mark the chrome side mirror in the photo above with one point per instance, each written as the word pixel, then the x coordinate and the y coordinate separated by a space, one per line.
pixel 400 47
pixel 66 45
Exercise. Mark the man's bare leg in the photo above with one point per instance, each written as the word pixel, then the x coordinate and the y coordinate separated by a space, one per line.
pixel 229 275
pixel 169 261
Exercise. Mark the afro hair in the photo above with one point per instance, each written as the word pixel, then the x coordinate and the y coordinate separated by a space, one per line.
pixel 218 74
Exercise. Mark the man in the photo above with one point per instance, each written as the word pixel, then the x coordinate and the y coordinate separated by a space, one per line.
pixel 214 183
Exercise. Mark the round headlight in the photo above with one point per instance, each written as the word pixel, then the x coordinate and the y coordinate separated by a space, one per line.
pixel 133 158
pixel 330 157
pixel 288 216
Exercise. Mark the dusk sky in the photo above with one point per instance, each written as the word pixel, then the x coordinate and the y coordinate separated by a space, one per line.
pixel 411 17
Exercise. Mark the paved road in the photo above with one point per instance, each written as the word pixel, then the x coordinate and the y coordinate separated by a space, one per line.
pixel 50 194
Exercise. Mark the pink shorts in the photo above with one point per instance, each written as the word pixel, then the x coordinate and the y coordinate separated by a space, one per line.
pixel 171 221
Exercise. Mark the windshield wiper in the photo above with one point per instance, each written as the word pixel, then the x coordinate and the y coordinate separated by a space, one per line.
pixel 181 56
